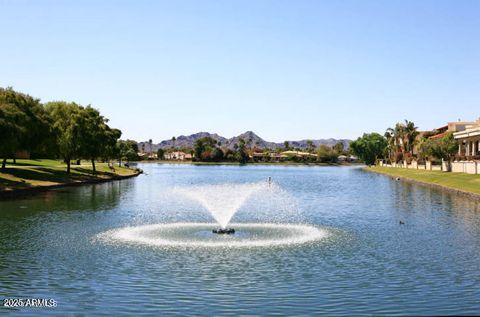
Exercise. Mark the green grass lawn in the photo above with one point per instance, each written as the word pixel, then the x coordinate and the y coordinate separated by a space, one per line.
pixel 459 181
pixel 38 162
pixel 35 173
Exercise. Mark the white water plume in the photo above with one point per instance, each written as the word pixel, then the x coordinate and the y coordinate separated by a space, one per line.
pixel 222 201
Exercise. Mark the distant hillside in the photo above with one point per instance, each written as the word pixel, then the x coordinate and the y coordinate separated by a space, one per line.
pixel 251 139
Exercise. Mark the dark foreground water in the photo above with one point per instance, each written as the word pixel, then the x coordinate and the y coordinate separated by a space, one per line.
pixel 369 263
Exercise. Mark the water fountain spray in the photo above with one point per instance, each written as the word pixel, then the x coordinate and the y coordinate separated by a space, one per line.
pixel 265 200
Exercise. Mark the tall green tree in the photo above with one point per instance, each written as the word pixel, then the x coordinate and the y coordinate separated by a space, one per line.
pixel 66 129
pixel 160 154
pixel 206 149
pixel 410 135
pixel 425 146
pixel 310 146
pixel 127 150
pixel 24 125
pixel 242 154
pixel 199 148
pixel 401 140
pixel 111 150
pixel 11 127
pixel 444 148
pixel 391 147
pixel 339 147
pixel 369 147
pixel 96 139
pixel 326 154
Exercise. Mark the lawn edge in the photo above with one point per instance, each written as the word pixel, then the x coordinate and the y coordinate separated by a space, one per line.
pixel 21 192
pixel 407 179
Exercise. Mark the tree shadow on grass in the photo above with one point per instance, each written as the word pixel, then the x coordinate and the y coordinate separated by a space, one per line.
pixel 36 176
pixel 90 172
pixel 34 162
pixel 8 183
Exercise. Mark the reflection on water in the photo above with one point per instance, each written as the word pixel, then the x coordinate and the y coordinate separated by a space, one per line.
pixel 88 197
pixel 368 264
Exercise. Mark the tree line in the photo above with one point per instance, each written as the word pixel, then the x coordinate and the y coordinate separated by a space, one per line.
pixel 404 143
pixel 208 149
pixel 57 129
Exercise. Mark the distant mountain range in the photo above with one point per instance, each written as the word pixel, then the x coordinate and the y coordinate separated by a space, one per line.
pixel 251 139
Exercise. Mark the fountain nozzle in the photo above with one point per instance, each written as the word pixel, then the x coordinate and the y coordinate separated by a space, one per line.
pixel 224 231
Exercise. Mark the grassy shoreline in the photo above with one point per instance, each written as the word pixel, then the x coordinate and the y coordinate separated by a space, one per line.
pixel 36 175
pixel 454 182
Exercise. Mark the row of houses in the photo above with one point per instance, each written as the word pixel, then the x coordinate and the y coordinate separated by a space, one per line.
pixel 270 156
pixel 282 156
pixel 467 134
pixel 467 160
pixel 171 156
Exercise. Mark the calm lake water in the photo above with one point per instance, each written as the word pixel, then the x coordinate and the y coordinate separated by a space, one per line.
pixel 369 263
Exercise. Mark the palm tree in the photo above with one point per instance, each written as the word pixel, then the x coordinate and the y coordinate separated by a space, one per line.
pixel 410 135
pixel 150 143
pixel 402 138
pixel 399 134
pixel 396 140
pixel 310 146
pixel 390 149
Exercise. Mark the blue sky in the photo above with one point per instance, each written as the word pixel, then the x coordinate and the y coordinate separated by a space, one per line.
pixel 284 69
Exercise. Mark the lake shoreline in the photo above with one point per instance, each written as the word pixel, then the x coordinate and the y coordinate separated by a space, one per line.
pixel 397 172
pixel 27 191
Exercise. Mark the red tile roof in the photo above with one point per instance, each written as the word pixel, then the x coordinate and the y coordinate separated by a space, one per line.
pixel 438 136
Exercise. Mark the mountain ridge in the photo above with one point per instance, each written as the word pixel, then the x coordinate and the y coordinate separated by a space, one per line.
pixel 251 139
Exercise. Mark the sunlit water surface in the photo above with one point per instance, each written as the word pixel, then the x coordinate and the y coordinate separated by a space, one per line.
pixel 79 246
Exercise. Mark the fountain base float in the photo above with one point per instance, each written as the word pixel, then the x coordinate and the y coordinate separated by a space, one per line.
pixel 224 231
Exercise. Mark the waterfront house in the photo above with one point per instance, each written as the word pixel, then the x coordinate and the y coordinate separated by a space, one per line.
pixel 468 157
pixel 467 160
pixel 466 133
pixel 298 154
pixel 468 141
pixel 456 126
pixel 147 156
pixel 178 156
